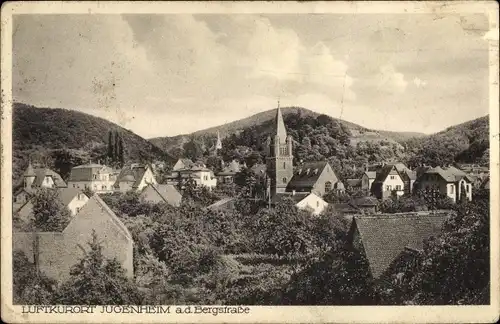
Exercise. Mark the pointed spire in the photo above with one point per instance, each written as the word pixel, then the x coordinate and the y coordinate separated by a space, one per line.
pixel 280 125
pixel 218 145
pixel 30 172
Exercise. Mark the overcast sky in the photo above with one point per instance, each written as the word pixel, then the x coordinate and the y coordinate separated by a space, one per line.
pixel 162 75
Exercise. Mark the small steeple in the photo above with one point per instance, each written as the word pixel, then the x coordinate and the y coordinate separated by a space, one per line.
pixel 218 145
pixel 280 125
pixel 30 172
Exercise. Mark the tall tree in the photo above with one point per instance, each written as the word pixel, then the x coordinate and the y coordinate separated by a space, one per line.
pixel 111 145
pixel 103 281
pixel 50 215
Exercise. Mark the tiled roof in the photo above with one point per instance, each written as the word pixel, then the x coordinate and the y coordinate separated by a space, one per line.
pixel 384 236
pixel 345 208
pixel 365 201
pixel 167 192
pixel 305 176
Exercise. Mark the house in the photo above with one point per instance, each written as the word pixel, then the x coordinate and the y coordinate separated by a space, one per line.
pixel 317 177
pixel 182 164
pixel 198 173
pixel 367 180
pixel 391 179
pixel 366 205
pixel 448 181
pixel 35 178
pixel 310 177
pixel 55 253
pixel 134 177
pixel 228 172
pixel 308 201
pixel 161 193
pixel 96 177
pixel 382 238
pixel 353 184
pixel 42 177
pixel 72 198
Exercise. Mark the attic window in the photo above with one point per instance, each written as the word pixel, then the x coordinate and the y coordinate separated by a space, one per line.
pixel 307 171
pixel 315 171
pixel 299 171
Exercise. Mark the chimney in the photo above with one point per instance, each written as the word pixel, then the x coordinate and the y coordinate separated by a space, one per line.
pixel 293 192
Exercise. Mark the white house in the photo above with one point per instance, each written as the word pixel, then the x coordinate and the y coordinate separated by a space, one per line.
pixel 308 201
pixel 135 177
pixel 198 173
pixel 449 181
pixel 391 179
pixel 72 198
pixel 99 178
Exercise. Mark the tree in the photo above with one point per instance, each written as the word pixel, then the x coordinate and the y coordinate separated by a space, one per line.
pixel 50 215
pixel 102 280
pixel 111 145
pixel 455 266
pixel 193 150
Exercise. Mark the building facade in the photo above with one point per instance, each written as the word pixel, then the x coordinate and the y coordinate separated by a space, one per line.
pixel 96 177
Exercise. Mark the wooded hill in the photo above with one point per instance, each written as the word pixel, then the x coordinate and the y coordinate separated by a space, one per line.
pixel 56 136
pixel 358 133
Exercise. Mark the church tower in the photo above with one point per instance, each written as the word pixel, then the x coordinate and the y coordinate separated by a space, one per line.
pixel 279 156
pixel 29 176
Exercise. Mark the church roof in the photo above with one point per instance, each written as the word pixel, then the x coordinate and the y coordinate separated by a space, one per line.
pixel 30 172
pixel 306 175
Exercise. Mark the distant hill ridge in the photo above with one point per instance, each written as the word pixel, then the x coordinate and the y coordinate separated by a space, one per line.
pixel 359 133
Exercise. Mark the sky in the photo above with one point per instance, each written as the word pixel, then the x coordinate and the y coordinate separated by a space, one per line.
pixel 163 75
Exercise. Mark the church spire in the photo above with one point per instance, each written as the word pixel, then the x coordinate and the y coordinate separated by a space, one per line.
pixel 280 125
pixel 218 145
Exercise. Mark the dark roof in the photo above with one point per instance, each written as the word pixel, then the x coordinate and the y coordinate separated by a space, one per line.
pixel 486 183
pixel 306 175
pixel 259 169
pixel 41 173
pixel 131 174
pixel 66 195
pixel 167 192
pixel 339 185
pixel 297 197
pixel 345 208
pixel 384 236
pixel 383 173
pixel 365 201
pixel 353 182
pixel 371 174
pixel 86 172
pixel 449 174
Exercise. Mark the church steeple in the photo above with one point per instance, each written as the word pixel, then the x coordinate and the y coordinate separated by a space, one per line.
pixel 280 126
pixel 218 145
pixel 279 159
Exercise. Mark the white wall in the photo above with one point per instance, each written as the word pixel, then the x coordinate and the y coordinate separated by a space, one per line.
pixel 313 202
pixel 95 185
pixel 393 180
pixel 77 203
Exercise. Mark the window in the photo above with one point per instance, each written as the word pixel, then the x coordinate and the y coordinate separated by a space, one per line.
pixel 77 210
pixel 317 204
pixel 284 180
pixel 388 188
pixel 74 185
pixel 452 189
pixel 284 165
pixel 393 177
pixel 398 187
pixel 328 186
pixel 94 176
pixel 103 187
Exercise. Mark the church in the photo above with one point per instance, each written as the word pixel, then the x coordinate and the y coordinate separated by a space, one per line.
pixel 309 177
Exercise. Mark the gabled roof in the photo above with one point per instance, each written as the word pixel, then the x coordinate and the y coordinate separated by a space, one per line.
pixel 306 175
pixel 167 192
pixel 384 236
pixel 384 172
pixel 131 174
pixel 97 205
pixel 449 174
pixel 66 195
pixel 41 173
pixel 371 174
pixel 345 208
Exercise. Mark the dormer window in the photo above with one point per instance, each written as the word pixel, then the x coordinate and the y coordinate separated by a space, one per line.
pixel 315 171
